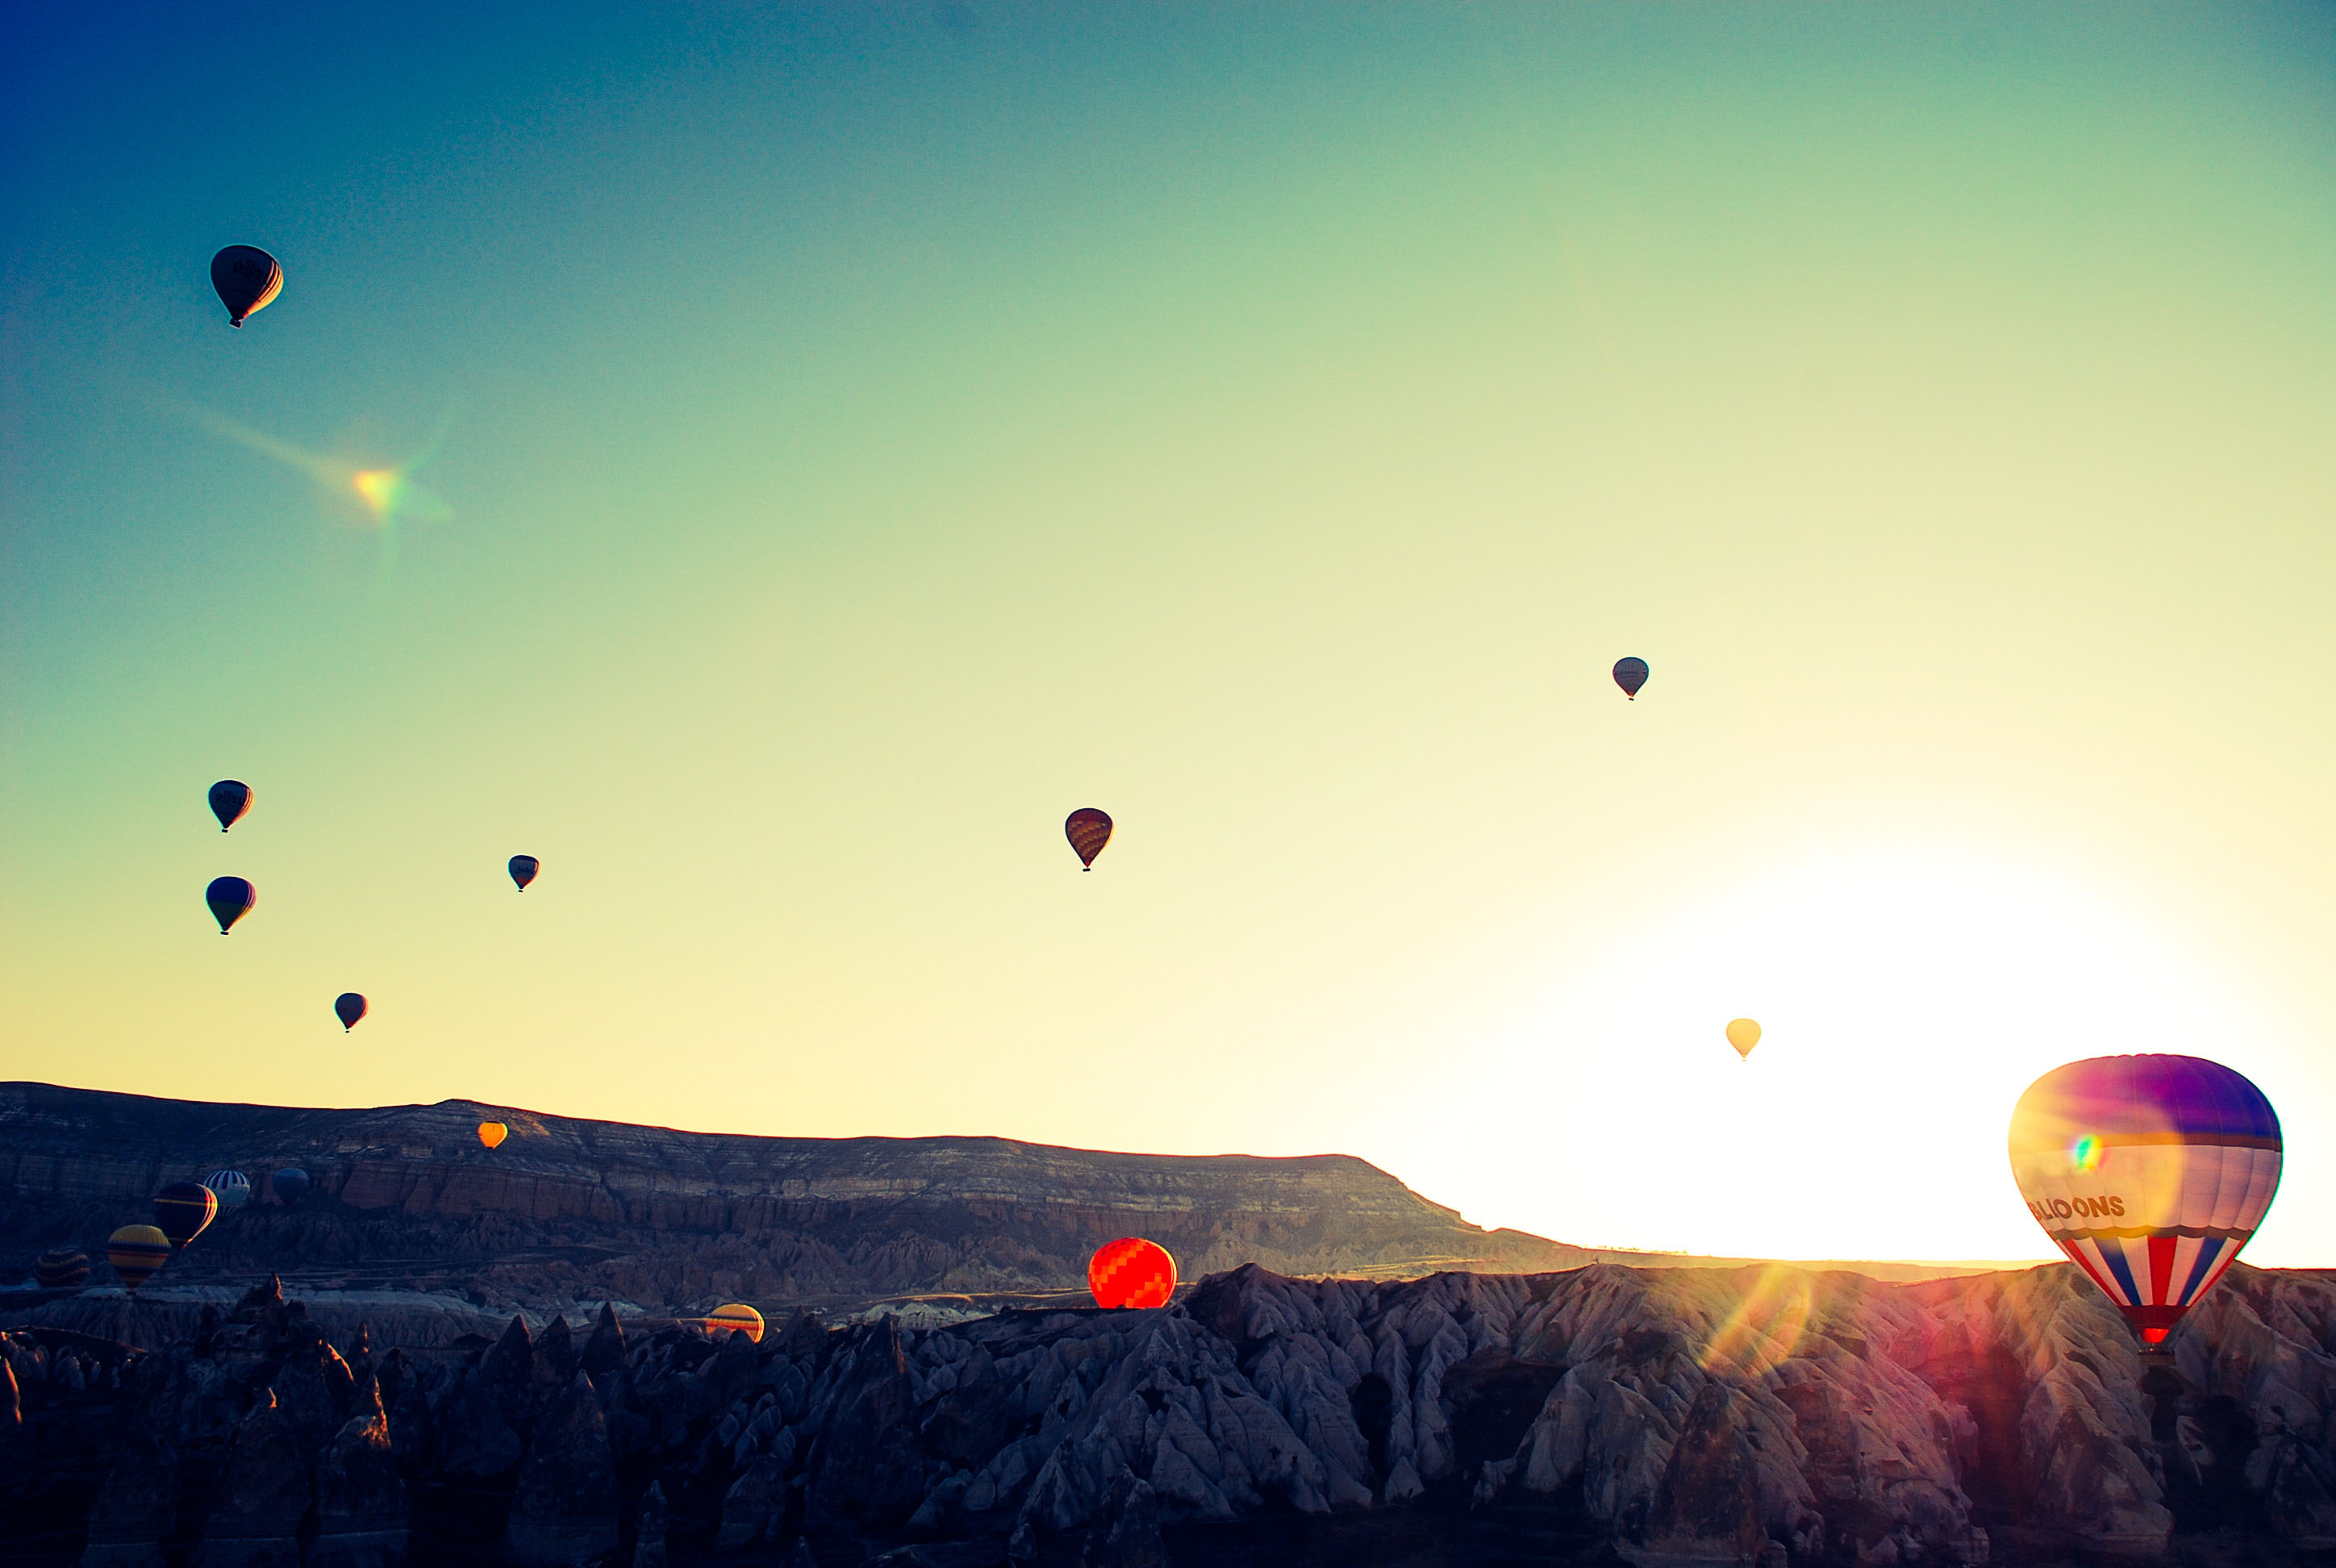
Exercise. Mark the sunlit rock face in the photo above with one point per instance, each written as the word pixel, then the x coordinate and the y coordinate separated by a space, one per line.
pixel 1676 1416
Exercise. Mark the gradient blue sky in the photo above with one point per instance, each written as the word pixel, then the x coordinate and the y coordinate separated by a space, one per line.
pixel 851 440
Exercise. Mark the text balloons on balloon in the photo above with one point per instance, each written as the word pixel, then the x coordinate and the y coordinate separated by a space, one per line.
pixel 2150 1172
pixel 1088 829
pixel 1630 674
pixel 1132 1273
pixel 247 278
pixel 229 798
pixel 231 899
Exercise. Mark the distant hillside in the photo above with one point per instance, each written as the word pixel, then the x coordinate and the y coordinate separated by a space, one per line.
pixel 569 1211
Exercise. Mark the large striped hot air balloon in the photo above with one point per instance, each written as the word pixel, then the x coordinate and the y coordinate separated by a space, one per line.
pixel 1088 829
pixel 247 278
pixel 136 1252
pixel 62 1268
pixel 737 1317
pixel 1132 1273
pixel 2150 1172
pixel 181 1210
pixel 233 1187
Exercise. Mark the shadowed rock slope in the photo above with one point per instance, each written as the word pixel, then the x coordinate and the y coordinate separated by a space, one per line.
pixel 1602 1415
pixel 568 1210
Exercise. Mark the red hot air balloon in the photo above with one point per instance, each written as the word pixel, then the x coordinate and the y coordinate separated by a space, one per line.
pixel 1132 1273
pixel 181 1210
pixel 1088 829
pixel 2150 1172
pixel 247 278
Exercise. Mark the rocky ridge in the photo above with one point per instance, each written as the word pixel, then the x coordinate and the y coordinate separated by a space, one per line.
pixel 1767 1416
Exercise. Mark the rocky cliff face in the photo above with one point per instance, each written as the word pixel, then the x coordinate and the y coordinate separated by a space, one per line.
pixel 569 1211
pixel 1765 1415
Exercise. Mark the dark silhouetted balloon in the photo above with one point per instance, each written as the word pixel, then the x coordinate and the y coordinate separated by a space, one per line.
pixel 62 1268
pixel 231 798
pixel 289 1183
pixel 1088 829
pixel 1132 1273
pixel 136 1252
pixel 233 1187
pixel 246 278
pixel 492 1133
pixel 523 869
pixel 2150 1172
pixel 231 899
pixel 348 1007
pixel 181 1210
pixel 1630 674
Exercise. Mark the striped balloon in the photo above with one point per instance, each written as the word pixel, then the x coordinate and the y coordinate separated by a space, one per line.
pixel 2150 1172
pixel 136 1252
pixel 233 1188
pixel 181 1210
pixel 62 1268
pixel 247 278
pixel 1132 1273
pixel 737 1317
pixel 1088 829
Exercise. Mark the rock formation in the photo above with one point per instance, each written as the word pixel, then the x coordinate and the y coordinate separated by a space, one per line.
pixel 1767 1416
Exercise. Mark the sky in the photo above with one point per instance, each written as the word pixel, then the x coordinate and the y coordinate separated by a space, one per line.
pixel 773 462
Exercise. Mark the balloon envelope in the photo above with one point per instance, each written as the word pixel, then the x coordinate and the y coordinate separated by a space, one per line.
pixel 231 798
pixel 1088 829
pixel 231 899
pixel 136 1252
pixel 62 1268
pixel 1743 1034
pixel 232 1187
pixel 492 1132
pixel 2150 1172
pixel 181 1210
pixel 1132 1273
pixel 523 869
pixel 289 1183
pixel 737 1317
pixel 1630 674
pixel 246 278
pixel 348 1007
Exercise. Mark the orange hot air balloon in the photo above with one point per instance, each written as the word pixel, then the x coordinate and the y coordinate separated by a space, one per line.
pixel 136 1252
pixel 737 1317
pixel 1088 829
pixel 1132 1273
pixel 1743 1034
pixel 492 1132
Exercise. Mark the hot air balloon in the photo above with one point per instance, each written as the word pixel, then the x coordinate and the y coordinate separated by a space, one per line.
pixel 289 1183
pixel 492 1133
pixel 233 1187
pixel 181 1210
pixel 1132 1273
pixel 523 869
pixel 2150 1172
pixel 231 798
pixel 246 278
pixel 62 1268
pixel 231 899
pixel 1630 674
pixel 136 1252
pixel 1088 829
pixel 1743 1034
pixel 737 1317
pixel 348 1007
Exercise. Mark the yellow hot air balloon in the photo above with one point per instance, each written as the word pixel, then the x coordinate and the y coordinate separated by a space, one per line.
pixel 1743 1034
pixel 136 1252
pixel 737 1317
pixel 492 1132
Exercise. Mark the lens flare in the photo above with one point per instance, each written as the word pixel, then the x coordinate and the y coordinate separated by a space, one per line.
pixel 2085 1154
pixel 387 494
